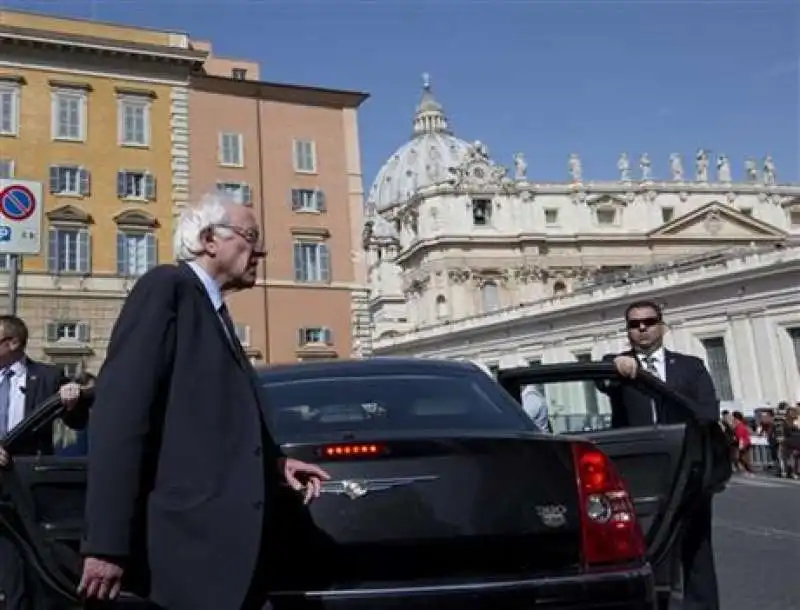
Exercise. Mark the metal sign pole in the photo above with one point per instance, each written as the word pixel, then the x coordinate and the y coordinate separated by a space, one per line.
pixel 13 283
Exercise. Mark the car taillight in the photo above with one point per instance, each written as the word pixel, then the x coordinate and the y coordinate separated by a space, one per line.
pixel 352 450
pixel 609 529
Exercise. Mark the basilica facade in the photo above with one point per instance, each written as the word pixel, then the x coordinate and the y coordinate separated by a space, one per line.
pixel 453 234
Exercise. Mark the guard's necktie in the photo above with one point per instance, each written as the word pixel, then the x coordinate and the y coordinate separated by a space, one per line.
pixel 5 400
pixel 650 367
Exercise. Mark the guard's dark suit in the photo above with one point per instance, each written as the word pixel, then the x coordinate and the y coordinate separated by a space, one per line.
pixel 41 382
pixel 181 466
pixel 688 376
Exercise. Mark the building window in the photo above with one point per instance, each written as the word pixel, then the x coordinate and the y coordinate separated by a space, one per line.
pixel 559 288
pixel 69 180
pixel 490 297
pixel 314 335
pixel 68 332
pixel 794 218
pixel 239 74
pixel 481 212
pixel 305 156
pixel 5 263
pixel 551 217
pixel 746 211
pixel 9 110
pixel 717 358
pixel 69 250
pixel 308 200
pixel 667 214
pixel 312 262
pixel 134 122
pixel 6 168
pixel 137 185
pixel 240 192
pixel 441 308
pixel 136 253
pixel 606 216
pixel 231 149
pixel 69 115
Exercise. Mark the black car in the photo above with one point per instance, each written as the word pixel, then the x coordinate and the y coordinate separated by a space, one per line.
pixel 442 493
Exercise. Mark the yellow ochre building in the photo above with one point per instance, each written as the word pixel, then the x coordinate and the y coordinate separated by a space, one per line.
pixel 98 114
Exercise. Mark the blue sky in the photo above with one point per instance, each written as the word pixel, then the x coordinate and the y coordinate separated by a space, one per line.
pixel 544 77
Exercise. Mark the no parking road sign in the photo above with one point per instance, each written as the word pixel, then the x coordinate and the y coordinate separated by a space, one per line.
pixel 20 217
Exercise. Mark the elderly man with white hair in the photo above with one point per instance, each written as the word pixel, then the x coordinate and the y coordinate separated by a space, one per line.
pixel 183 474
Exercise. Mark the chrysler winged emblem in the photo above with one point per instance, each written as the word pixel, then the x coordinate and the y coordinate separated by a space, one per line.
pixel 552 515
pixel 358 488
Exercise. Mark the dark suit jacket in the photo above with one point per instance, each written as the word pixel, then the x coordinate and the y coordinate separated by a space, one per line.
pixel 687 375
pixel 178 452
pixel 44 380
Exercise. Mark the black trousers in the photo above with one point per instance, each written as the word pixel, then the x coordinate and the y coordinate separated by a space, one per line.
pixel 12 577
pixel 700 590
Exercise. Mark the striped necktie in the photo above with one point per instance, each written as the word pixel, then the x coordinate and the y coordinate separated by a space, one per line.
pixel 650 367
pixel 5 401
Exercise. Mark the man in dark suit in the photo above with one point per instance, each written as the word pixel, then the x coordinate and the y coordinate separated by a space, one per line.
pixel 688 376
pixel 183 473
pixel 24 384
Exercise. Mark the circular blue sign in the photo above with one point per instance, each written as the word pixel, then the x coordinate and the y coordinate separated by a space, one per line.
pixel 17 203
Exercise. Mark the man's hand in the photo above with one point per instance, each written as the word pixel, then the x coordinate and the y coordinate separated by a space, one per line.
pixel 101 579
pixel 70 393
pixel 312 474
pixel 626 366
pixel 5 459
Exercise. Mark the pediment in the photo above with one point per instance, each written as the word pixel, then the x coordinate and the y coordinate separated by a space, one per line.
pixel 69 213
pixel 605 200
pixel 136 218
pixel 716 220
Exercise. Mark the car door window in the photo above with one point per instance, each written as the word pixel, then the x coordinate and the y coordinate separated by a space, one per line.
pixel 576 406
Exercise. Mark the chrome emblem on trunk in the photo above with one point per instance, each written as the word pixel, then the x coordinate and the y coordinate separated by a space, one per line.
pixel 552 515
pixel 358 488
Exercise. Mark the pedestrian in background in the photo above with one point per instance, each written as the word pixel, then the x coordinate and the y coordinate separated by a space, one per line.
pixel 744 443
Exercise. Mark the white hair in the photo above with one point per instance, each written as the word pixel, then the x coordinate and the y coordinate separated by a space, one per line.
pixel 210 211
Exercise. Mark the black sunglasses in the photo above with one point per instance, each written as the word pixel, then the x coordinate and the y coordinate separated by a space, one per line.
pixel 637 323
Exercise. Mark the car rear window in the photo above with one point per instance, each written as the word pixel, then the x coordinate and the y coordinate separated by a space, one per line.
pixel 386 403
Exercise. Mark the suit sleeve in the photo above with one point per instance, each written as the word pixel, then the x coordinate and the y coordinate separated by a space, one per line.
pixel 138 363
pixel 705 394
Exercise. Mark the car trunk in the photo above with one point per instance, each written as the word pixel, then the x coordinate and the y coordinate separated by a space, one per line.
pixel 431 507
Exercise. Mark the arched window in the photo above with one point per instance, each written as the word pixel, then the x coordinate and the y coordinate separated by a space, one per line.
pixel 490 297
pixel 559 288
pixel 441 307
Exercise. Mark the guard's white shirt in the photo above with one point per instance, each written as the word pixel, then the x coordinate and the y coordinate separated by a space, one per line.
pixel 16 402
pixel 658 359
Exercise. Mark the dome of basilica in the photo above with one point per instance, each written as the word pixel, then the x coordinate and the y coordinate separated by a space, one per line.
pixel 421 162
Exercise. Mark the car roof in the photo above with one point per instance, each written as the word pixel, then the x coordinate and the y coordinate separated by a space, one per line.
pixel 367 366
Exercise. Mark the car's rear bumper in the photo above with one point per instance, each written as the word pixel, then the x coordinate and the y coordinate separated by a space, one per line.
pixel 628 589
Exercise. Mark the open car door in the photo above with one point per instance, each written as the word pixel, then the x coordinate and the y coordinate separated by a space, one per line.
pixel 43 509
pixel 664 465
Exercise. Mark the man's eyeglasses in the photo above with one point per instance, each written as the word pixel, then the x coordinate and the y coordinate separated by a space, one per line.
pixel 251 236
pixel 635 324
